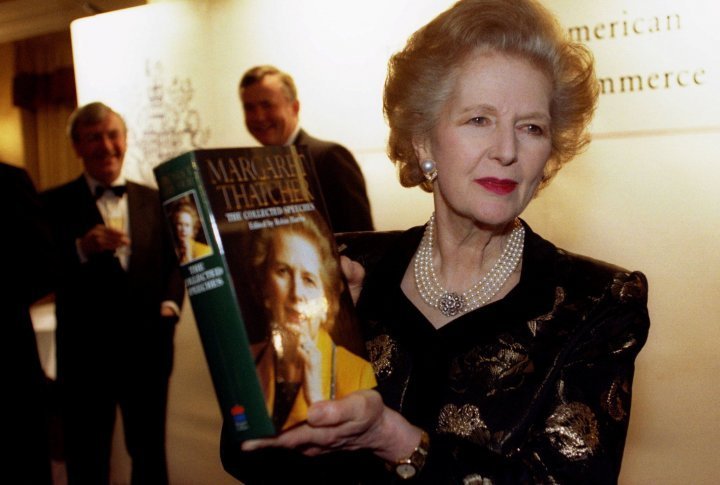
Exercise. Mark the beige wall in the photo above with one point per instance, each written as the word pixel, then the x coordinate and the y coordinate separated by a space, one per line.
pixel 644 196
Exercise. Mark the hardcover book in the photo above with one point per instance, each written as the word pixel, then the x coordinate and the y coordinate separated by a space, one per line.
pixel 262 272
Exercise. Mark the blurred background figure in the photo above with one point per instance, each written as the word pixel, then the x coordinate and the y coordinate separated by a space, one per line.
pixel 27 251
pixel 118 299
pixel 271 105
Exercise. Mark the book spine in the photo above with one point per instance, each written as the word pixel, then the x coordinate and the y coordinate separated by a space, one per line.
pixel 216 309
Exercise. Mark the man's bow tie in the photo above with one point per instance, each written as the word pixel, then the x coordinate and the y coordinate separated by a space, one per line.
pixel 118 190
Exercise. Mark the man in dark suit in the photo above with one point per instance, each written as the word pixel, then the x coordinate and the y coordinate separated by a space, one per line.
pixel 271 107
pixel 118 300
pixel 26 247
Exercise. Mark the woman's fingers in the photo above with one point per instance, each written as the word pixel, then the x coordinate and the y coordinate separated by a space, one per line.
pixel 358 421
pixel 361 406
pixel 331 425
pixel 354 274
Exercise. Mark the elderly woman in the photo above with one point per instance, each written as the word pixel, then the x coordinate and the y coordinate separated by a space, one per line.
pixel 300 286
pixel 186 227
pixel 500 358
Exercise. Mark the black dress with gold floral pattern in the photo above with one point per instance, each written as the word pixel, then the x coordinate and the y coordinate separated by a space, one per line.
pixel 534 388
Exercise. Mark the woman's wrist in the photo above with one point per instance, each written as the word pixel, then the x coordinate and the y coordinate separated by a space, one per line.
pixel 399 437
pixel 407 445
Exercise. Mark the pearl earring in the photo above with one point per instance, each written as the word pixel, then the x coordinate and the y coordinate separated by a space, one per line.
pixel 429 170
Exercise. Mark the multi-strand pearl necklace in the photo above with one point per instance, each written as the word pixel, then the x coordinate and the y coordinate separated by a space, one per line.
pixel 451 303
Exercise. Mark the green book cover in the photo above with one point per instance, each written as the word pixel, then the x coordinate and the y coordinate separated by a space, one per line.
pixel 262 273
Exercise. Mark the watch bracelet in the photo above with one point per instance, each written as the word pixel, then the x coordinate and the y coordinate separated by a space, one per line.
pixel 416 459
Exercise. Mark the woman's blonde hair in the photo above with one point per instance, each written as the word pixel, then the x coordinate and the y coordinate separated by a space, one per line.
pixel 421 77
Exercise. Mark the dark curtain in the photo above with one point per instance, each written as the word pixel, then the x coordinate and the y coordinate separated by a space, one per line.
pixel 44 90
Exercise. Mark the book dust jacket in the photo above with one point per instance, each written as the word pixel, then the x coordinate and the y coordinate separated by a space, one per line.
pixel 262 273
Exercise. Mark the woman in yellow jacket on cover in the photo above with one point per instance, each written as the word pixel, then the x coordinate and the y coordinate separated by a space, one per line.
pixel 301 287
pixel 186 228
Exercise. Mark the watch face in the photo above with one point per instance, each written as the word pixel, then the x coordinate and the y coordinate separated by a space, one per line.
pixel 406 470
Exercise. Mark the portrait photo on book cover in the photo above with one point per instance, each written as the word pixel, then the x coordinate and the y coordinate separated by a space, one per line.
pixel 304 338
pixel 188 230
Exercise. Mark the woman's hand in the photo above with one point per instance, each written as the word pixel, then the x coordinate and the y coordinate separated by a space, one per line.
pixel 186 249
pixel 312 364
pixel 354 274
pixel 357 421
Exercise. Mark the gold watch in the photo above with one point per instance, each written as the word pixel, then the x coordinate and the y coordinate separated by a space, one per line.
pixel 407 468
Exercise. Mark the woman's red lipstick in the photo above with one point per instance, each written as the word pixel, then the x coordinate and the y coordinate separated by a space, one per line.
pixel 497 186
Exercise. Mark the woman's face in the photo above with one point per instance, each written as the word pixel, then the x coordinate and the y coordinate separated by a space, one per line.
pixel 294 291
pixel 184 226
pixel 492 140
